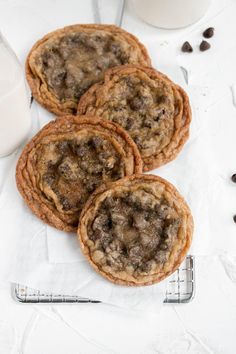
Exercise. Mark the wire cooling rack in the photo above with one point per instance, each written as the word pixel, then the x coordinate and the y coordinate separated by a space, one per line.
pixel 180 289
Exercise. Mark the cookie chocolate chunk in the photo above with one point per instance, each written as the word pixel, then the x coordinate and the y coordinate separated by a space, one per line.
pixel 136 231
pixel 187 48
pixel 155 111
pixel 65 63
pixel 209 32
pixel 204 46
pixel 67 160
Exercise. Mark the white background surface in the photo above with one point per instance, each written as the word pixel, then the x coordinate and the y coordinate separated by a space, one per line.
pixel 208 324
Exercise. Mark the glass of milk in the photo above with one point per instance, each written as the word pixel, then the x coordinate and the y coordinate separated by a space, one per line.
pixel 170 13
pixel 14 105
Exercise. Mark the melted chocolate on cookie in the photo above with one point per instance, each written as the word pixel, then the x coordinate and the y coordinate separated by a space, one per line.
pixel 72 63
pixel 134 231
pixel 70 170
pixel 145 109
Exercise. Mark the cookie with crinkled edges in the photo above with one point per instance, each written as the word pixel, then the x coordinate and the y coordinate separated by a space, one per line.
pixel 154 110
pixel 136 231
pixel 65 63
pixel 67 160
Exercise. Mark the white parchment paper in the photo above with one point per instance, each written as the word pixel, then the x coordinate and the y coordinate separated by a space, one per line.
pixel 44 258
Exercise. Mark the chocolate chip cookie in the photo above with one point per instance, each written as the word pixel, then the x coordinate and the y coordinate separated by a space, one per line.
pixel 67 160
pixel 65 63
pixel 155 111
pixel 136 231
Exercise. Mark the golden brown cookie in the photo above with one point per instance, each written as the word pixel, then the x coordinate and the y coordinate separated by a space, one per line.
pixel 65 63
pixel 136 231
pixel 64 163
pixel 155 111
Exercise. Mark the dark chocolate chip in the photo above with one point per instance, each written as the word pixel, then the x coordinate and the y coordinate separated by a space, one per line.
pixel 138 141
pixel 233 177
pixel 146 267
pixel 136 103
pixel 162 99
pixel 129 124
pixel 63 146
pixel 187 48
pixel 81 150
pixel 204 46
pixel 160 113
pixel 66 206
pixel 49 178
pixel 234 217
pixel 97 142
pixel 91 185
pixel 209 32
pixel 96 235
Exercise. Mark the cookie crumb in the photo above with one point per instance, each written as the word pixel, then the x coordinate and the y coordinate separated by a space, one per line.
pixel 204 46
pixel 209 32
pixel 187 48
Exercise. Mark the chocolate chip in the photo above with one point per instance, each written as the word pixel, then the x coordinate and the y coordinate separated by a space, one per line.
pixel 66 206
pixel 138 141
pixel 187 48
pixel 204 46
pixel 114 48
pixel 146 267
pixel 49 178
pixel 97 142
pixel 101 223
pixel 96 235
pixel 136 255
pixel 159 113
pixel 209 32
pixel 136 103
pixel 160 256
pixel 63 146
pixel 81 150
pixel 233 177
pixel 234 217
pixel 91 185
pixel 79 91
pixel 129 124
pixel 162 99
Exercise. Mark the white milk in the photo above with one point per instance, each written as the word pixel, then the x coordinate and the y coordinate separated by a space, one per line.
pixel 171 13
pixel 14 105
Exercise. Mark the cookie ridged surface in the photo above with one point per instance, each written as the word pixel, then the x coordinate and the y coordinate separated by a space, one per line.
pixel 67 160
pixel 154 110
pixel 65 63
pixel 136 231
